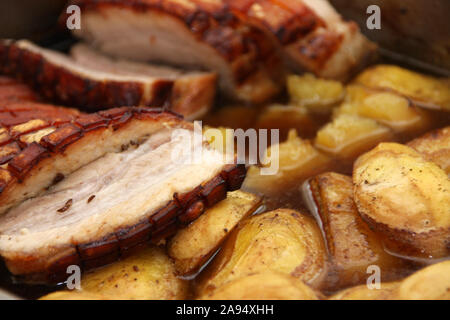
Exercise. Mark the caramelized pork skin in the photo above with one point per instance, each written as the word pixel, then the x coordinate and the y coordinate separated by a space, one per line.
pixel 309 35
pixel 62 79
pixel 193 34
pixel 312 35
pixel 49 148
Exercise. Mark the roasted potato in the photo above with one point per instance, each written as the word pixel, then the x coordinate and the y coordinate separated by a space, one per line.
pixel 352 246
pixel 264 286
pixel 318 95
pixel 405 198
pixel 72 295
pixel 426 91
pixel 192 246
pixel 149 274
pixel 283 240
pixel 297 160
pixel 220 138
pixel 435 147
pixel 285 118
pixel 430 283
pixel 362 292
pixel 347 136
pixel 388 108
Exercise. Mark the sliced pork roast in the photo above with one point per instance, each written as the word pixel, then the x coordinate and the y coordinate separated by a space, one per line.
pixel 314 37
pixel 192 34
pixel 92 82
pixel 91 188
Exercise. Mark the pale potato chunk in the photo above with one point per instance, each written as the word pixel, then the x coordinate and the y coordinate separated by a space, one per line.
pixel 363 292
pixel 435 147
pixel 318 95
pixel 347 136
pixel 285 118
pixel 430 283
pixel 297 159
pixel 405 198
pixel 388 108
pixel 424 90
pixel 147 275
pixel 192 246
pixel 283 240
pixel 264 286
pixel 72 295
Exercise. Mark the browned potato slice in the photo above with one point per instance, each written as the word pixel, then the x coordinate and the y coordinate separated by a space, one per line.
pixel 286 117
pixel 192 246
pixel 404 198
pixel 297 160
pixel 430 283
pixel 283 240
pixel 435 147
pixel 388 108
pixel 264 286
pixel 424 90
pixel 149 274
pixel 352 246
pixel 318 95
pixel 72 295
pixel 362 292
pixel 347 136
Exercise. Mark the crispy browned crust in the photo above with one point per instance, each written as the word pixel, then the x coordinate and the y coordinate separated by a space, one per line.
pixel 14 91
pixel 309 43
pixel 158 225
pixel 58 84
pixel 238 38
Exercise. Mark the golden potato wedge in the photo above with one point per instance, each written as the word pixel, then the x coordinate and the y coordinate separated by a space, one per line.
pixel 192 246
pixel 318 95
pixel 285 118
pixel 72 295
pixel 405 198
pixel 347 136
pixel 435 147
pixel 426 91
pixel 283 240
pixel 430 283
pixel 362 292
pixel 352 246
pixel 388 108
pixel 297 160
pixel 147 275
pixel 264 286
pixel 220 138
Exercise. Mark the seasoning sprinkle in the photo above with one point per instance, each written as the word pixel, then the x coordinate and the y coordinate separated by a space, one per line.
pixel 66 206
pixel 91 198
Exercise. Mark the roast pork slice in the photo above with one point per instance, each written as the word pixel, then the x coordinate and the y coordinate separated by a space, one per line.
pixel 100 83
pixel 193 92
pixel 193 34
pixel 94 189
pixel 313 36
